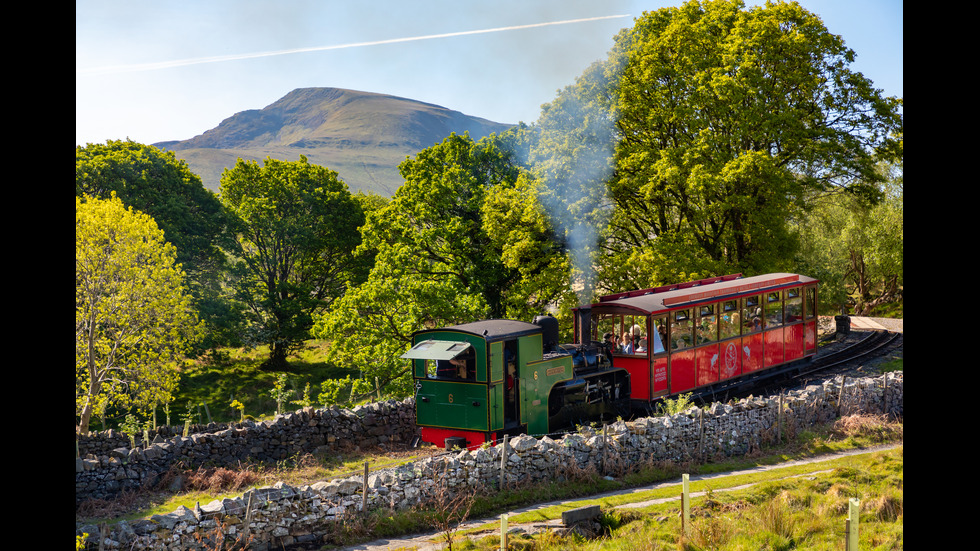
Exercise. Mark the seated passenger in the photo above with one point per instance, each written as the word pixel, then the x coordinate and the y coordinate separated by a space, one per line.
pixel 462 366
pixel 641 346
pixel 610 340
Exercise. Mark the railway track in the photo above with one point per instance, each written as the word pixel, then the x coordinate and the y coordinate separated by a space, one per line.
pixel 844 359
pixel 841 359
pixel 869 345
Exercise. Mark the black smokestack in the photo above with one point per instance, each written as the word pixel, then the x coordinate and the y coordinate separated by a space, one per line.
pixel 549 326
pixel 583 325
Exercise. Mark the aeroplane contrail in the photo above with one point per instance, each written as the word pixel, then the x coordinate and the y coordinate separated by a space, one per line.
pixel 112 69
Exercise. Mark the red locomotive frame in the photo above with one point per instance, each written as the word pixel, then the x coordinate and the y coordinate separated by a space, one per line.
pixel 708 335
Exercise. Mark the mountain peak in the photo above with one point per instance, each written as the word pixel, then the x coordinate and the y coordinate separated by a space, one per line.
pixel 361 135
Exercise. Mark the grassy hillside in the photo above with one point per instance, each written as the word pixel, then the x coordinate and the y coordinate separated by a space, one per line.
pixel 361 135
pixel 235 375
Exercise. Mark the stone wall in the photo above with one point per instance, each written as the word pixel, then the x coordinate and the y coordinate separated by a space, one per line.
pixel 281 515
pixel 309 430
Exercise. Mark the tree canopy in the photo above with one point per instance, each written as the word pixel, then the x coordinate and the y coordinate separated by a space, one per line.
pixel 725 120
pixel 133 315
pixel 156 183
pixel 191 217
pixel 856 248
pixel 462 239
pixel 297 226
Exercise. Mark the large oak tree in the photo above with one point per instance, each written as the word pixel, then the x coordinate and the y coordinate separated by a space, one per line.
pixel 297 228
pixel 156 183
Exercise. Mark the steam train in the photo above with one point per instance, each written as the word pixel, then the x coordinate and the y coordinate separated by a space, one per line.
pixel 478 381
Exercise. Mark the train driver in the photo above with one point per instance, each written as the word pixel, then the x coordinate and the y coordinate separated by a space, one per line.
pixel 464 365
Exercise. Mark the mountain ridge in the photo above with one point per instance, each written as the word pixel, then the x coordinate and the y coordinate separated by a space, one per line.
pixel 361 135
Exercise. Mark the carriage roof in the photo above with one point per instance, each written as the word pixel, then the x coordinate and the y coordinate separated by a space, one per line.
pixel 669 297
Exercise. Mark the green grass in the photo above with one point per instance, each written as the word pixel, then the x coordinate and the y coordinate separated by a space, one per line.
pixel 236 375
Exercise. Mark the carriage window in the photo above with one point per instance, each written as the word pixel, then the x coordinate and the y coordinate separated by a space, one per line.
pixel 608 325
pixel 728 320
pixel 634 338
pixel 628 333
pixel 658 335
pixel 751 315
pixel 774 309
pixel 811 302
pixel 443 359
pixel 707 324
pixel 681 330
pixel 794 306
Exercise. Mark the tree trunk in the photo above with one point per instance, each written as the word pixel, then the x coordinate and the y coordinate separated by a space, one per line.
pixel 86 418
pixel 277 358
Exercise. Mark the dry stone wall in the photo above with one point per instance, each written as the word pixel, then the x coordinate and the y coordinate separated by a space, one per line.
pixel 103 475
pixel 282 516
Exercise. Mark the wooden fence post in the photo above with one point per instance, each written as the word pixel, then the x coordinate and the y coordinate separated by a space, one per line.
pixel 853 511
pixel 365 494
pixel 248 517
pixel 685 504
pixel 603 448
pixel 884 398
pixel 779 420
pixel 503 532
pixel 840 395
pixel 700 433
pixel 503 462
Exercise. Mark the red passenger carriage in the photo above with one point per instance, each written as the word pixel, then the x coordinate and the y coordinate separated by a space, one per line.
pixel 707 335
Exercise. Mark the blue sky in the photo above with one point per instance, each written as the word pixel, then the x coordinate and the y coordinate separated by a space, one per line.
pixel 155 71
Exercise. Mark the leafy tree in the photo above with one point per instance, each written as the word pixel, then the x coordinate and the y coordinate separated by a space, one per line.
pixel 156 183
pixel 726 120
pixel 191 217
pixel 462 239
pixel 856 249
pixel 297 229
pixel 133 316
